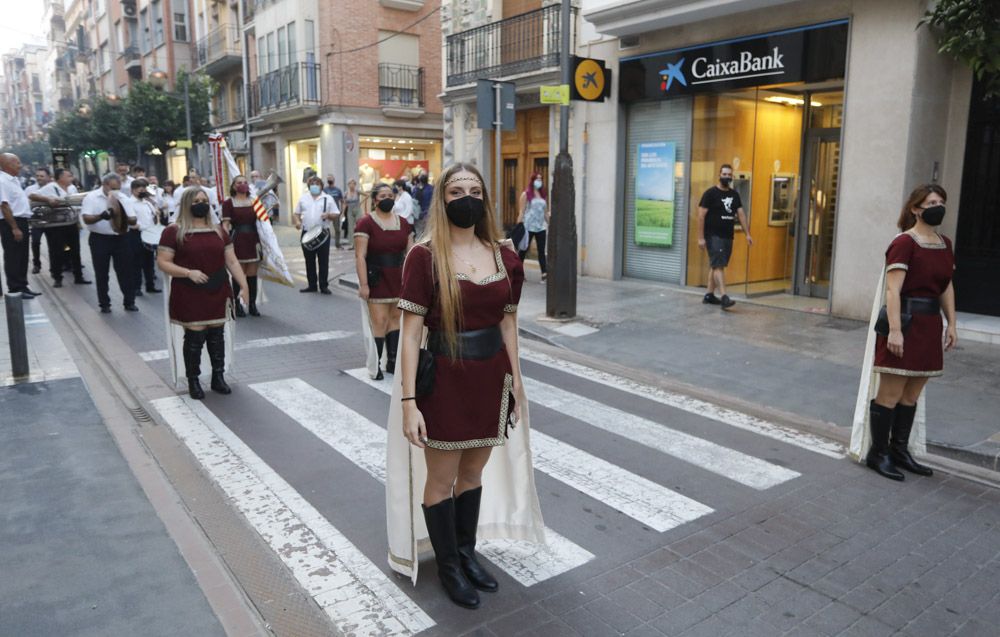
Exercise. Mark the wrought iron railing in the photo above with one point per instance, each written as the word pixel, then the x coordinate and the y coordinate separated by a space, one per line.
pixel 220 42
pixel 400 85
pixel 288 87
pixel 520 44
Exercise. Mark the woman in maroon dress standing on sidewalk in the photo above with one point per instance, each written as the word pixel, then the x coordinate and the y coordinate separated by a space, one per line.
pixel 919 268
pixel 381 240
pixel 197 254
pixel 240 222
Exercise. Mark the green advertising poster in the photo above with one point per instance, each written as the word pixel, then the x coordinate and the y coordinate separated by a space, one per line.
pixel 654 194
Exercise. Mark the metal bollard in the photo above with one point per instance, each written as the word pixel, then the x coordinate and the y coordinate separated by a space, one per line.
pixel 16 335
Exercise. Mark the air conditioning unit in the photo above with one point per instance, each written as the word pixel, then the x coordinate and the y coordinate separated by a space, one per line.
pixel 128 8
pixel 628 42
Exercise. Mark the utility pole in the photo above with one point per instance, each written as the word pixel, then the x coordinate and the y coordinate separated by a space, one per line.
pixel 187 119
pixel 560 291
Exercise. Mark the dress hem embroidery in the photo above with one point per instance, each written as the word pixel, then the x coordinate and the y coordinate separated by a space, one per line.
pixel 444 445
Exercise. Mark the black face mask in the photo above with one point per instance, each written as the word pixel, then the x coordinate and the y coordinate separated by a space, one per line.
pixel 200 210
pixel 933 216
pixel 385 205
pixel 465 212
pixel 725 181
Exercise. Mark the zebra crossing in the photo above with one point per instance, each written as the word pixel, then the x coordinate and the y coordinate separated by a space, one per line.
pixel 357 591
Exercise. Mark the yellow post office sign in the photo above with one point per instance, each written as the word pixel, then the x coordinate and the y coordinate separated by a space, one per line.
pixel 557 94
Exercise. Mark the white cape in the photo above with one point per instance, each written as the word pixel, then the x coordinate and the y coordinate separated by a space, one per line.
pixel 175 342
pixel 861 438
pixel 509 507
pixel 372 360
pixel 272 259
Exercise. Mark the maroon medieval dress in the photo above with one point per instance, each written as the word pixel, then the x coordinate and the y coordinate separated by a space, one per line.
pixel 202 249
pixel 929 268
pixel 386 245
pixel 244 224
pixel 472 399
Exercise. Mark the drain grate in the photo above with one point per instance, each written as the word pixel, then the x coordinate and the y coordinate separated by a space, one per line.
pixel 140 414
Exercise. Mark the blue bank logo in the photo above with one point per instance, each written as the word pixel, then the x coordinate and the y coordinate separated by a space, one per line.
pixel 671 73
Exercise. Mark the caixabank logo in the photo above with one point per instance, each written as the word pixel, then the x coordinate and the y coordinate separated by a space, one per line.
pixel 706 70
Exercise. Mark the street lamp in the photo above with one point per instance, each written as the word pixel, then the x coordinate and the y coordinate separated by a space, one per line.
pixel 158 78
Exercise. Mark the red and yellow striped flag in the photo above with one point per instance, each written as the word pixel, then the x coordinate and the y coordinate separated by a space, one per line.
pixel 258 209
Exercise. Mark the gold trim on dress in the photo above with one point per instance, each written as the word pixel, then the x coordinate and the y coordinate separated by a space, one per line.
pixel 907 372
pixel 362 234
pixel 508 387
pixel 378 222
pixel 929 246
pixel 499 275
pixel 410 306
pixel 897 266
pixel 394 299
pixel 510 308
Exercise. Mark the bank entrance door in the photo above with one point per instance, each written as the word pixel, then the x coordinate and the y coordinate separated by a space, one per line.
pixel 814 225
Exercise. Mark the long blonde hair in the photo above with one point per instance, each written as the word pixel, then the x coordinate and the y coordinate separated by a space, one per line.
pixel 185 220
pixel 438 241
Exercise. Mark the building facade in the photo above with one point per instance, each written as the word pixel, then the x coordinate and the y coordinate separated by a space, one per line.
pixel 23 72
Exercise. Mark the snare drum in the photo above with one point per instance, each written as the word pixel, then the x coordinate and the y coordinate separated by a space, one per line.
pixel 151 237
pixel 315 238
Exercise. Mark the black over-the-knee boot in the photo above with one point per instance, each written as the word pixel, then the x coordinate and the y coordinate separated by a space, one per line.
pixel 900 438
pixel 216 339
pixel 440 520
pixel 880 419
pixel 252 284
pixel 391 342
pixel 193 340
pixel 466 523
pixel 236 300
pixel 379 342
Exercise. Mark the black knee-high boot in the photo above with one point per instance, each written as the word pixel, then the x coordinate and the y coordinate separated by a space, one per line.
pixel 236 300
pixel 440 519
pixel 880 419
pixel 252 284
pixel 900 439
pixel 391 343
pixel 216 340
pixel 379 341
pixel 193 340
pixel 466 524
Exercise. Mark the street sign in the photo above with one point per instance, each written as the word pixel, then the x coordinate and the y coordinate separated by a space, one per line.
pixel 557 94
pixel 486 104
pixel 183 143
pixel 591 80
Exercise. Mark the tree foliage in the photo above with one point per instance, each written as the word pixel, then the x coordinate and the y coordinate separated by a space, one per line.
pixel 33 153
pixel 969 30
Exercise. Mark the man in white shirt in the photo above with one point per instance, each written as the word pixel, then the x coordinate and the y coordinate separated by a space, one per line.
pixel 63 241
pixel 404 202
pixel 42 178
pixel 141 207
pixel 14 229
pixel 316 208
pixel 108 221
pixel 124 176
pixel 213 199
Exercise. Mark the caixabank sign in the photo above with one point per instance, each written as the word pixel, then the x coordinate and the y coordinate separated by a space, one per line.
pixel 809 54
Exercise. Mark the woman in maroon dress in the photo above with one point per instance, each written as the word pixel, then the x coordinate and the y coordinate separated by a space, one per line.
pixel 197 254
pixel 464 287
pixel 919 265
pixel 240 222
pixel 381 240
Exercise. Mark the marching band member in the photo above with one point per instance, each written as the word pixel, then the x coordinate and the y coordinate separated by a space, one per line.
pixel 240 222
pixel 316 208
pixel 197 254
pixel 108 222
pixel 42 179
pixel 63 242
pixel 14 230
pixel 381 240
pixel 141 207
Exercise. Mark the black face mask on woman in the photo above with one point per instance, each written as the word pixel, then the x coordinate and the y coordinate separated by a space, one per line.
pixel 200 210
pixel 465 212
pixel 933 216
pixel 386 205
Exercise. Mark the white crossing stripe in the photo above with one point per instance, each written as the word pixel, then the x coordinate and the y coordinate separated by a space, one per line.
pixel 363 442
pixel 726 462
pixel 695 406
pixel 652 504
pixel 357 596
pixel 274 341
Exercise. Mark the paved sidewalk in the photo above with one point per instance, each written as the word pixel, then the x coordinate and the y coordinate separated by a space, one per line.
pixel 802 363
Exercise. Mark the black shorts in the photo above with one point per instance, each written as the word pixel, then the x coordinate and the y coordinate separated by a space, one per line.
pixel 719 251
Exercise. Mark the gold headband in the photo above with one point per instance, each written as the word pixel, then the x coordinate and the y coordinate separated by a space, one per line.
pixel 455 179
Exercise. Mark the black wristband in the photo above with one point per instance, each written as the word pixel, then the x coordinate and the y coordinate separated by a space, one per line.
pixel 410 398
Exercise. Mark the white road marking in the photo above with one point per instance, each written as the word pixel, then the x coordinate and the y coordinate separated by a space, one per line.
pixel 274 341
pixel 357 596
pixel 726 462
pixel 637 497
pixel 701 408
pixel 363 442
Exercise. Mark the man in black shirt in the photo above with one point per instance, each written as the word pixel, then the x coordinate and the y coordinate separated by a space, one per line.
pixel 717 212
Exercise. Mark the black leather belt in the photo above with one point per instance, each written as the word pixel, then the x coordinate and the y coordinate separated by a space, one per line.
pixel 920 305
pixel 473 345
pixel 385 259
pixel 244 227
pixel 215 281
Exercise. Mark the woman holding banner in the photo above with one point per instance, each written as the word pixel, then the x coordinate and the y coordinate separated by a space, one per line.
pixel 240 221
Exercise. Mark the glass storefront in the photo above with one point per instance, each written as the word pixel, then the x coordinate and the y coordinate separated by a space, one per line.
pixel 386 159
pixel 302 156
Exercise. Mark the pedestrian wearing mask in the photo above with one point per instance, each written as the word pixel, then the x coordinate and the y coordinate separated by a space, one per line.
pixel 718 210
pixel 463 287
pixel 908 346
pixel 535 216
pixel 381 240
pixel 316 208
pixel 141 207
pixel 108 221
pixel 240 222
pixel 404 202
pixel 198 254
pixel 338 197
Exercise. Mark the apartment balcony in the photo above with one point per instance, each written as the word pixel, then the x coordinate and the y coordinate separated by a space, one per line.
pixel 219 51
pixel 290 92
pixel 133 61
pixel 521 44
pixel 628 17
pixel 401 90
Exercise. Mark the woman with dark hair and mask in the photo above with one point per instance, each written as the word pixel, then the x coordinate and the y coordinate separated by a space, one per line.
pixel 197 254
pixel 381 240
pixel 918 285
pixel 240 222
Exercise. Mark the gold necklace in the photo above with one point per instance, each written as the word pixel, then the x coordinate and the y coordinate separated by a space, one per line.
pixel 471 267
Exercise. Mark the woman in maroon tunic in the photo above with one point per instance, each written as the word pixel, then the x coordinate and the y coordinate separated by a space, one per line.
pixel 381 240
pixel 240 222
pixel 464 287
pixel 919 267
pixel 197 254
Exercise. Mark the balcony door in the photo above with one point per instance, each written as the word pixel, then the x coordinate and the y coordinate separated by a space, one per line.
pixel 521 38
pixel 524 151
